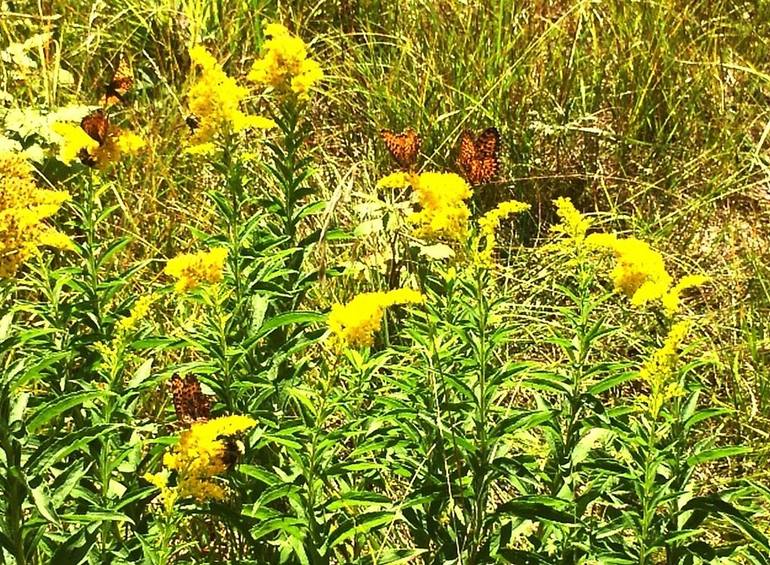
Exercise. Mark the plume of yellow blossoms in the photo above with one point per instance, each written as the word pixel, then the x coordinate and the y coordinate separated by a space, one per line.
pixel 355 323
pixel 214 100
pixel 573 225
pixel 640 272
pixel 490 221
pixel 23 207
pixel 193 269
pixel 198 458
pixel 443 213
pixel 285 65
pixel 138 313
pixel 659 370
pixel 74 142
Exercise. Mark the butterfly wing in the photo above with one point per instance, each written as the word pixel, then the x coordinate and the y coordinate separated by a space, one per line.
pixel 190 404
pixel 487 156
pixel 466 154
pixel 403 147
pixel 479 158
pixel 121 84
pixel 488 143
pixel 96 126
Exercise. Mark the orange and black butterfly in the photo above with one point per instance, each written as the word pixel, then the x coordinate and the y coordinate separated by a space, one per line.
pixel 190 404
pixel 97 126
pixel 479 157
pixel 404 146
pixel 120 85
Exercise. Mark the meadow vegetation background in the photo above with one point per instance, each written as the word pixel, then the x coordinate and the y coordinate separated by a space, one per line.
pixel 565 365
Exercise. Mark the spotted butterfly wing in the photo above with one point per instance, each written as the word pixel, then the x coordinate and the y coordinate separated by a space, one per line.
pixel 190 404
pixel 479 158
pixel 403 147
pixel 97 126
pixel 121 84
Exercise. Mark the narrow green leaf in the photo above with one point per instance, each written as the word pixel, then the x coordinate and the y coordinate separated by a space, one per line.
pixel 56 407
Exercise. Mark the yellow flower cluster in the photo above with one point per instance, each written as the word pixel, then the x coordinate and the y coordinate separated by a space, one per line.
pixel 659 370
pixel 640 272
pixel 490 221
pixel 355 323
pixel 197 459
pixel 23 207
pixel 285 65
pixel 137 314
pixel 443 214
pixel 214 100
pixel 193 269
pixel 573 224
pixel 75 142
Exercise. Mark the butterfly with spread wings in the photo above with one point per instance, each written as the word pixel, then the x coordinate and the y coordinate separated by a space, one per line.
pixel 120 85
pixel 97 126
pixel 190 404
pixel 403 147
pixel 479 157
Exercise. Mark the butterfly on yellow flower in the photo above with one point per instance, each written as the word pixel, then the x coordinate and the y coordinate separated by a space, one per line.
pixel 404 147
pixel 97 126
pixel 479 157
pixel 191 406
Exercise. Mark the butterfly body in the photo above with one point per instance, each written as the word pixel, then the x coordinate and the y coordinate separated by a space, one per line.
pixel 479 157
pixel 403 147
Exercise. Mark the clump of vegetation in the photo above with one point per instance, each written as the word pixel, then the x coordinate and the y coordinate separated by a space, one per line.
pixel 240 325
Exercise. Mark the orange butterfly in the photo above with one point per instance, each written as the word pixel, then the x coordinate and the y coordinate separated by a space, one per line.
pixel 190 404
pixel 121 84
pixel 97 126
pixel 403 146
pixel 479 158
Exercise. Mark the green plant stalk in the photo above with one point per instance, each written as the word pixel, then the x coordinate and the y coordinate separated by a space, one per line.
pixel 233 173
pixel 570 438
pixel 90 232
pixel 648 496
pixel 17 491
pixel 480 488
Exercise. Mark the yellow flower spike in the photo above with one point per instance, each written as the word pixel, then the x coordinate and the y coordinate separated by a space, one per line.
pixel 573 224
pixel 355 323
pixel 214 100
pixel 640 272
pixel 659 370
pixel 671 300
pixel 130 143
pixel 394 180
pixel 285 65
pixel 199 457
pixel 23 208
pixel 194 269
pixel 444 213
pixel 73 140
pixel 138 313
pixel 491 221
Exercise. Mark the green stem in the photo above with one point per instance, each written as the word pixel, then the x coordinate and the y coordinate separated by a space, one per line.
pixel 480 475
